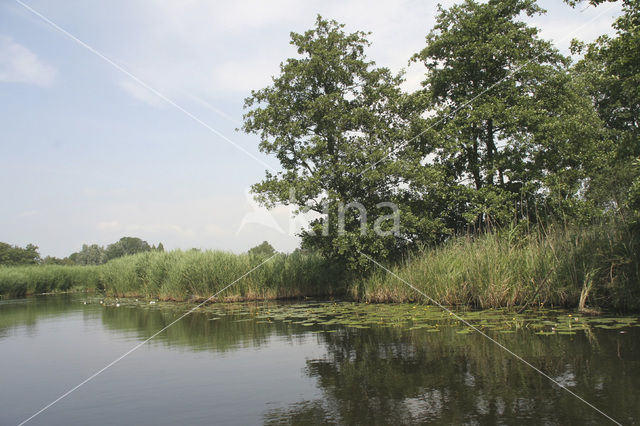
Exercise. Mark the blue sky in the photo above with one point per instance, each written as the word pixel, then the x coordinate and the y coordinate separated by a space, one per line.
pixel 88 155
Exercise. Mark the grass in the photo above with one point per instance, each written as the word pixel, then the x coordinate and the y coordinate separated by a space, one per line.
pixel 596 267
pixel 178 275
pixel 19 281
pixel 193 275
pixel 591 268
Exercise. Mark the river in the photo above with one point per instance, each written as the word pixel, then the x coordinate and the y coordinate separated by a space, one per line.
pixel 310 363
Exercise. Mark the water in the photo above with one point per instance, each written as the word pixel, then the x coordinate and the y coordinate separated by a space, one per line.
pixel 309 363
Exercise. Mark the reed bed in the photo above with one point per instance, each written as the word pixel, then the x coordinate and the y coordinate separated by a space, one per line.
pixel 180 275
pixel 595 267
pixel 194 275
pixel 19 281
pixel 589 268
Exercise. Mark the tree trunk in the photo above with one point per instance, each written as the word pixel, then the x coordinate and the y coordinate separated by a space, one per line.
pixel 491 149
pixel 475 168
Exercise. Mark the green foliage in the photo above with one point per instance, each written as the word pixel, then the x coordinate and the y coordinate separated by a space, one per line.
pixel 500 132
pixel 508 128
pixel 97 255
pixel 504 135
pixel 546 268
pixel 327 116
pixel 597 265
pixel 574 3
pixel 90 255
pixel 610 72
pixel 126 246
pixel 634 192
pixel 19 281
pixel 263 249
pixel 52 260
pixel 193 275
pixel 178 275
pixel 14 255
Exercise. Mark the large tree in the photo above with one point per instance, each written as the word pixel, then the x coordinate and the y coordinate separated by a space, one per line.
pixel 610 69
pixel 507 128
pixel 327 117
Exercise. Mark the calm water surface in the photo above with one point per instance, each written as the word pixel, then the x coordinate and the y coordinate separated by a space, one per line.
pixel 306 363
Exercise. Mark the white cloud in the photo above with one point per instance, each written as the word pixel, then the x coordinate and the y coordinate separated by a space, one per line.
pixel 584 23
pixel 212 228
pixel 141 93
pixel 214 222
pixel 241 76
pixel 112 225
pixel 217 50
pixel 20 65
pixel 147 228
pixel 162 229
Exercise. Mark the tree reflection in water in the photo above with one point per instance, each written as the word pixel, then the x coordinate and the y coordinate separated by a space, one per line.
pixel 393 374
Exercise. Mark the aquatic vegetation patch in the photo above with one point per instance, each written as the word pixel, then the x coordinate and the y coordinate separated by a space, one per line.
pixel 414 318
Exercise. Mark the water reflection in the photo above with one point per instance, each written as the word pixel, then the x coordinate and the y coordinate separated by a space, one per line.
pixel 394 375
pixel 228 328
pixel 389 376
pixel 25 313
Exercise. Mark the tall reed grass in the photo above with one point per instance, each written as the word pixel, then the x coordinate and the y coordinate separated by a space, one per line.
pixel 179 275
pixel 595 267
pixel 193 275
pixel 18 281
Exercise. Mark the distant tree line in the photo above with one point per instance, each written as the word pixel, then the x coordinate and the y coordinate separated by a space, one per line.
pixel 93 254
pixel 14 255
pixel 263 249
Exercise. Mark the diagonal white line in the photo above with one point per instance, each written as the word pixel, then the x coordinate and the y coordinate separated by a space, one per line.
pixel 210 107
pixel 500 345
pixel 67 393
pixel 469 102
pixel 142 83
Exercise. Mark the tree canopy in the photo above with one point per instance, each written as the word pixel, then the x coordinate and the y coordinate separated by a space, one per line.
pixel 95 254
pixel 89 255
pixel 263 249
pixel 504 129
pixel 327 116
pixel 610 71
pixel 507 126
pixel 15 255
pixel 126 246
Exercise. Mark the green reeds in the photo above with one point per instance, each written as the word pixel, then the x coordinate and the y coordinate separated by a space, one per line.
pixel 590 268
pixel 178 275
pixel 194 275
pixel 550 267
pixel 18 281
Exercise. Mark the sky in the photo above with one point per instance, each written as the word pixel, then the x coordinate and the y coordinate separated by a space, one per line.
pixel 123 122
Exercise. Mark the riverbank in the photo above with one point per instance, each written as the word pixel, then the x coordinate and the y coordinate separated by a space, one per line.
pixel 591 268
pixel 586 268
